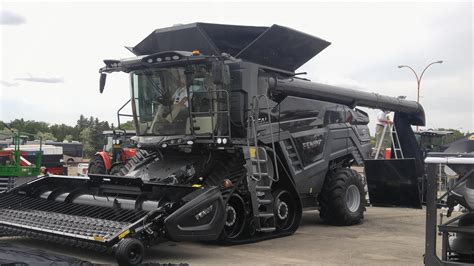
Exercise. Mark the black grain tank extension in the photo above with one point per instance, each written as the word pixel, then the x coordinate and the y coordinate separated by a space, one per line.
pixel 276 46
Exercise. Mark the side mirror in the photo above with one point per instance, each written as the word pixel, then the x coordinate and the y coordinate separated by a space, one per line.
pixel 103 78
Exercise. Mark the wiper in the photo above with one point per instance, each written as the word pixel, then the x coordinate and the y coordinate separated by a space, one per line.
pixel 163 97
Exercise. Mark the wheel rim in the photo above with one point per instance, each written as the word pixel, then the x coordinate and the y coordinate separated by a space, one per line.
pixel 231 216
pixel 285 210
pixel 282 210
pixel 134 254
pixel 235 217
pixel 353 198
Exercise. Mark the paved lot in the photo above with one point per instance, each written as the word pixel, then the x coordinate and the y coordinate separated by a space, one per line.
pixel 389 236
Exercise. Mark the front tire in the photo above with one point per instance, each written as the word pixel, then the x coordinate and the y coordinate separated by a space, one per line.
pixel 129 251
pixel 97 166
pixel 342 199
pixel 235 218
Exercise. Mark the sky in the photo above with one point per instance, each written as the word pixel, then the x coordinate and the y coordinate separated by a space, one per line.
pixel 51 51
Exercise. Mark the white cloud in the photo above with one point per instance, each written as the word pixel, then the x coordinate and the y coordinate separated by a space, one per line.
pixel 10 18
pixel 8 84
pixel 42 79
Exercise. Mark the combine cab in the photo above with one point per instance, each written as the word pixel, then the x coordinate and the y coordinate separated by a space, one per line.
pixel 232 146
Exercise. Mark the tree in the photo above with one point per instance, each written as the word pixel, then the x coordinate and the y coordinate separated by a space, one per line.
pixel 457 134
pixel 62 130
pixel 129 125
pixel 45 136
pixel 85 137
pixel 69 138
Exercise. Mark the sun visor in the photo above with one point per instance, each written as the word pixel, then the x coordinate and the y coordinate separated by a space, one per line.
pixel 274 46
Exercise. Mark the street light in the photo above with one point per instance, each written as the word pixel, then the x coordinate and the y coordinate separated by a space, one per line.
pixel 418 79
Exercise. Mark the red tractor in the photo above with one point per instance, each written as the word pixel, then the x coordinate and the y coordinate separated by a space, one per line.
pixel 117 150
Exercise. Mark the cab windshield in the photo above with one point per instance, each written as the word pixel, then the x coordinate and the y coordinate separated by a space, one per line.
pixel 163 98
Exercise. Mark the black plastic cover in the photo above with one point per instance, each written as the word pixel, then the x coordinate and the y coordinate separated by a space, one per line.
pixel 274 46
pixel 202 218
pixel 393 183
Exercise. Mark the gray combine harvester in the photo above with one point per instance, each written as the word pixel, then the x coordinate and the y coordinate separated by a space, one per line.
pixel 232 147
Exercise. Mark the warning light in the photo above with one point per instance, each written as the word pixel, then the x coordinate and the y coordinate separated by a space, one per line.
pixel 196 52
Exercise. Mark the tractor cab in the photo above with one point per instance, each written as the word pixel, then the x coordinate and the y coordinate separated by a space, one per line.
pixel 117 144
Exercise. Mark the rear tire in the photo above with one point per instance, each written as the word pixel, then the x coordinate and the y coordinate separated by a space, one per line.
pixel 129 251
pixel 342 199
pixel 285 210
pixel 97 166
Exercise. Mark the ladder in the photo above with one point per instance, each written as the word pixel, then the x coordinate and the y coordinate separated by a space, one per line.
pixel 397 148
pixel 259 177
pixel 6 183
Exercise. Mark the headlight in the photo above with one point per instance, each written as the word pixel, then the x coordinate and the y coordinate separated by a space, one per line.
pixel 219 140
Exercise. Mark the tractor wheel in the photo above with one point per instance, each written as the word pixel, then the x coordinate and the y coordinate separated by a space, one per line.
pixel 342 199
pixel 129 251
pixel 116 169
pixel 97 166
pixel 285 210
pixel 235 218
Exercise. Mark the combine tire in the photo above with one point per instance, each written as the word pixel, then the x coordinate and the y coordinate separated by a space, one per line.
pixel 235 218
pixel 129 251
pixel 285 210
pixel 97 166
pixel 342 199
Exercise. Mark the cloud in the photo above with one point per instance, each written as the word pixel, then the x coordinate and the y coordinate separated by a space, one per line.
pixel 42 79
pixel 10 18
pixel 8 84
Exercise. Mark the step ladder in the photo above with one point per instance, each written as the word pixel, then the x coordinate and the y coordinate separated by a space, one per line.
pixel 260 177
pixel 6 183
pixel 397 148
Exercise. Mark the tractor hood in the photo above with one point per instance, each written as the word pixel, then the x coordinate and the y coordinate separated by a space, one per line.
pixel 275 46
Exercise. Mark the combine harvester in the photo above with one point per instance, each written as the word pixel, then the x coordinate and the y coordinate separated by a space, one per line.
pixel 232 146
